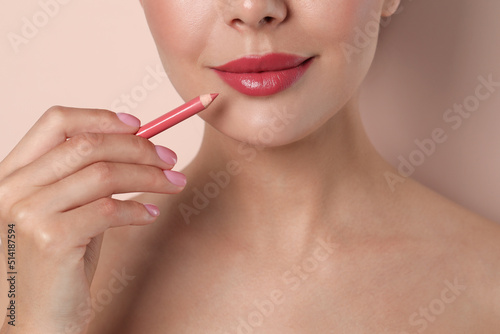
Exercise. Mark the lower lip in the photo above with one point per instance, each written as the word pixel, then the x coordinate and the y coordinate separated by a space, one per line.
pixel 264 83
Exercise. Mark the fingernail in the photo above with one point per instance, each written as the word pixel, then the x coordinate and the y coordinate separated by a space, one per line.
pixel 152 209
pixel 166 155
pixel 176 178
pixel 129 119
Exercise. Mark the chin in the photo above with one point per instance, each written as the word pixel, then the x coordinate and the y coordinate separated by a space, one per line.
pixel 262 123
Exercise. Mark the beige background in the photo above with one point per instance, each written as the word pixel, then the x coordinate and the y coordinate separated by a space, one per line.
pixel 91 52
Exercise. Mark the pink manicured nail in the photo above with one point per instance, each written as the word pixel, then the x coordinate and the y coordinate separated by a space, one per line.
pixel 152 209
pixel 176 178
pixel 166 155
pixel 129 119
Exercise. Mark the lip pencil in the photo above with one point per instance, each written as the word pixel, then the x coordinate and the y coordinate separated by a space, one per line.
pixel 176 116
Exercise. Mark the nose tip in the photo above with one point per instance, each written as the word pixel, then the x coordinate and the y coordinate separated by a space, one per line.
pixel 254 14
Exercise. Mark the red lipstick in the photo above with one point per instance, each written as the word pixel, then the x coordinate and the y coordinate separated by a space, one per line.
pixel 176 116
pixel 264 75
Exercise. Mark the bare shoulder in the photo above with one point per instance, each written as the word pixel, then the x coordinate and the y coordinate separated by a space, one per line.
pixel 481 256
pixel 470 241
pixel 482 244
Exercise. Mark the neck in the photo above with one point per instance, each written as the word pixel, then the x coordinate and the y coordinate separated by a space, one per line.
pixel 299 188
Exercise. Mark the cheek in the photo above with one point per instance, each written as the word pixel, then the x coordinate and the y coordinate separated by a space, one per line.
pixel 348 33
pixel 339 21
pixel 178 28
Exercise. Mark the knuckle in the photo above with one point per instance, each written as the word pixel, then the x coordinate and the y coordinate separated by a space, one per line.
pixel 103 171
pixel 46 239
pixel 155 179
pixel 22 211
pixel 107 207
pixel 139 144
pixel 151 178
pixel 108 120
pixel 85 143
pixel 55 114
pixel 44 236
pixel 148 178
pixel 32 229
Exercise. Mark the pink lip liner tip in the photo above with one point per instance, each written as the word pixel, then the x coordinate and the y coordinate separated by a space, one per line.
pixel 176 116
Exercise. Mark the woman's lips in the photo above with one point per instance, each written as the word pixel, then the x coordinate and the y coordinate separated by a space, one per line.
pixel 263 75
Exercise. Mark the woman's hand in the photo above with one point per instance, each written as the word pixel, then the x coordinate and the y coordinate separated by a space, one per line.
pixel 55 197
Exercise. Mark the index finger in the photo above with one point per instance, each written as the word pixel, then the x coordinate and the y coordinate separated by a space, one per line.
pixel 58 124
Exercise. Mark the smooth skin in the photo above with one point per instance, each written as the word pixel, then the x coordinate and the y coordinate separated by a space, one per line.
pixel 303 235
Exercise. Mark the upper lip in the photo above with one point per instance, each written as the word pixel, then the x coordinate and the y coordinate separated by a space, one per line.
pixel 264 63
